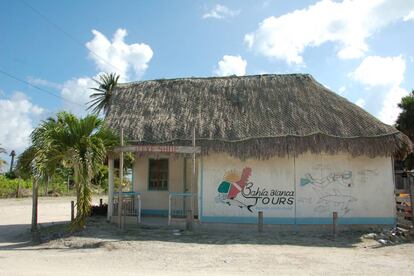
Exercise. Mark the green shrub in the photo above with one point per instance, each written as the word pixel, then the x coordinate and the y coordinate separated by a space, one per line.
pixel 8 187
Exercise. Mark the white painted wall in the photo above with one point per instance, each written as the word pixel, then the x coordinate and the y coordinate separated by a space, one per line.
pixel 360 189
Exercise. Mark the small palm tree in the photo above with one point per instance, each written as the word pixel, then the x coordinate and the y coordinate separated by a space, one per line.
pixel 2 162
pixel 78 143
pixel 101 98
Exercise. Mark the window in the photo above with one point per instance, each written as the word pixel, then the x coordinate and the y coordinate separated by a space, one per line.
pixel 158 175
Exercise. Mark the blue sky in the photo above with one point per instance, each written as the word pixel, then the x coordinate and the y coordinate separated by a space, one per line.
pixel 361 50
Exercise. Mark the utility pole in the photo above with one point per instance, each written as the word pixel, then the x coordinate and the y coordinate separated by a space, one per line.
pixel 12 154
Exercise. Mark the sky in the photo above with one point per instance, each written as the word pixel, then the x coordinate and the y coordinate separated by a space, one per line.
pixel 50 51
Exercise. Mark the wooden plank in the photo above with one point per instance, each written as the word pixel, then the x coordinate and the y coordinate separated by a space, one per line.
pixel 157 149
pixel 404 225
pixel 401 191
pixel 402 199
pixel 406 209
pixel 404 216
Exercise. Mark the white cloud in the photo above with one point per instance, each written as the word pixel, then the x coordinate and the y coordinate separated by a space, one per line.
pixel 389 111
pixel 16 121
pixel 128 60
pixel 220 12
pixel 360 102
pixel 43 82
pixel 326 86
pixel 385 75
pixel 342 90
pixel 375 70
pixel 409 16
pixel 347 24
pixel 231 65
pixel 77 93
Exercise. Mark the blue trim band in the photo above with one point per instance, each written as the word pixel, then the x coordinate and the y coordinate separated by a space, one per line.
pixel 127 193
pixel 154 212
pixel 291 220
pixel 354 220
pixel 180 194
pixel 247 220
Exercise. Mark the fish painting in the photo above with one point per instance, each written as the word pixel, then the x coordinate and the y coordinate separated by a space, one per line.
pixel 337 197
pixel 334 199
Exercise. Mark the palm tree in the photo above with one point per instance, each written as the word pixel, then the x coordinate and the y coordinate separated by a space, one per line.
pixel 101 98
pixel 78 143
pixel 24 163
pixel 2 162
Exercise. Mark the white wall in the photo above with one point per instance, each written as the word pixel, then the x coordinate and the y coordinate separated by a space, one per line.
pixel 359 189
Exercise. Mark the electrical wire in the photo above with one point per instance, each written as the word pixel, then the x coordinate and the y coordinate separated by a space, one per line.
pixel 38 88
pixel 68 34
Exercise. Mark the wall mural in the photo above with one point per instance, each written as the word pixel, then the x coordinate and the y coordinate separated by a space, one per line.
pixel 324 190
pixel 333 192
pixel 236 189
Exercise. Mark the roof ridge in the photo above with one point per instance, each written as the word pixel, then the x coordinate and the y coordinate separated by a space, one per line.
pixel 127 84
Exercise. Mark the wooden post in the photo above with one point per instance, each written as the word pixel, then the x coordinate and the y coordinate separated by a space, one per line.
pixel 189 221
pixel 260 222
pixel 34 205
pixel 110 188
pixel 335 224
pixel 169 209
pixel 193 180
pixel 72 210
pixel 410 187
pixel 19 187
pixel 121 179
pixel 123 215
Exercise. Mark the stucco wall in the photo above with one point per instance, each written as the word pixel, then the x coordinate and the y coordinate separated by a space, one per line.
pixel 302 190
pixel 156 202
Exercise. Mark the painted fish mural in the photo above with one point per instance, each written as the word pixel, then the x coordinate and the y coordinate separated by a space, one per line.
pixel 344 179
pixel 333 191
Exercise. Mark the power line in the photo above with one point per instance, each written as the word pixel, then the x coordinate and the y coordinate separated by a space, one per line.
pixel 38 88
pixel 68 34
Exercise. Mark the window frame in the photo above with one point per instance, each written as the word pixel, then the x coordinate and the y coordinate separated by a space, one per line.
pixel 152 189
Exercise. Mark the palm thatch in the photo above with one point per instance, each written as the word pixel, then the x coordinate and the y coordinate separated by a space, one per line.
pixel 252 116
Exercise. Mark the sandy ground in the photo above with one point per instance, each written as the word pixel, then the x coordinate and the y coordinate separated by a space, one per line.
pixel 102 249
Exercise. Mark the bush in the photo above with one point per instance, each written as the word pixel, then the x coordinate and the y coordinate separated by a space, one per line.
pixel 58 185
pixel 10 175
pixel 8 187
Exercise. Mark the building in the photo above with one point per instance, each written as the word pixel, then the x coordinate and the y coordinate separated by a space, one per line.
pixel 282 144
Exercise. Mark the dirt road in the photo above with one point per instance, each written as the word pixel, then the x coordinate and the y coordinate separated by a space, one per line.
pixel 102 249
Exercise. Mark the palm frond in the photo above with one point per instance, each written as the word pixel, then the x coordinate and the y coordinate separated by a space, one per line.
pixel 101 100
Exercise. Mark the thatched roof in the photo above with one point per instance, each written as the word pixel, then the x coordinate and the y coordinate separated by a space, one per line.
pixel 252 116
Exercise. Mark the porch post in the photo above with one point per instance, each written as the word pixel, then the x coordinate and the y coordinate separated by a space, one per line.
pixel 110 187
pixel 121 180
pixel 193 180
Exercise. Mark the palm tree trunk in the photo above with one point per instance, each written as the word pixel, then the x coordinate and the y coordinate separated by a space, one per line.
pixel 34 204
pixel 77 187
